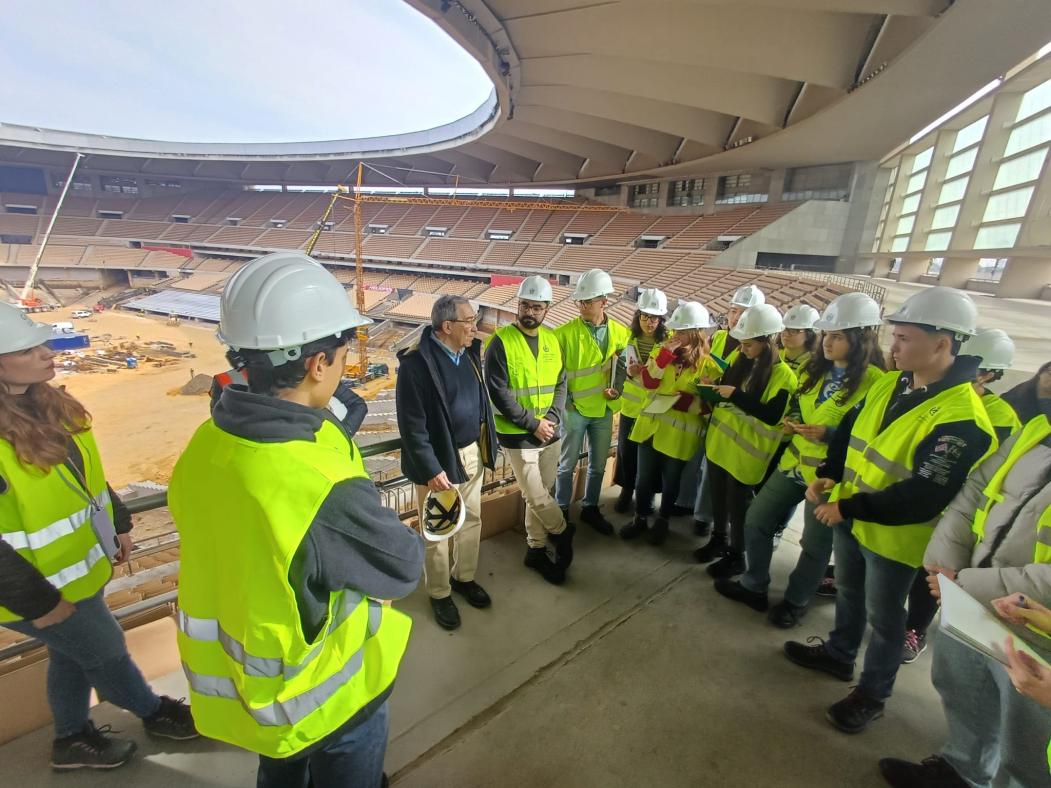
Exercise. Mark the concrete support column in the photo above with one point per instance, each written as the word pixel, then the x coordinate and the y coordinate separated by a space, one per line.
pixel 912 269
pixel 1024 277
pixel 711 191
pixel 777 185
pixel 663 188
pixel 956 271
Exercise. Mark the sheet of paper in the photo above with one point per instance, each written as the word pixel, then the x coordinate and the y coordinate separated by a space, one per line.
pixel 661 403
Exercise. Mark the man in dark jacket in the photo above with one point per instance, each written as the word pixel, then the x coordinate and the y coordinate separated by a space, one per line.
pixel 446 425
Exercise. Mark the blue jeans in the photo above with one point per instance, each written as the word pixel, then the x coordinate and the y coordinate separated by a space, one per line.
pixel 778 495
pixel 347 758
pixel 694 489
pixel 869 589
pixel 599 432
pixel 88 650
pixel 992 728
pixel 657 472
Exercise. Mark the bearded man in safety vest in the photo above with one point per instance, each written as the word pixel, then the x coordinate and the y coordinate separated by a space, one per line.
pixel 287 550
pixel 893 465
pixel 590 346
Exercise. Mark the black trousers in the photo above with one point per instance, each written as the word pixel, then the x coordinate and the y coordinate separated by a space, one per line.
pixel 730 499
pixel 626 471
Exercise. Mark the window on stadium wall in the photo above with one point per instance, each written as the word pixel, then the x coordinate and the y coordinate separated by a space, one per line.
pixel 826 182
pixel 113 184
pixel 644 195
pixel 22 180
pixel 683 194
pixel 746 187
pixel 795 262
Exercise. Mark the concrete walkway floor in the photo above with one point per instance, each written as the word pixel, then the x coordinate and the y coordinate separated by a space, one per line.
pixel 634 673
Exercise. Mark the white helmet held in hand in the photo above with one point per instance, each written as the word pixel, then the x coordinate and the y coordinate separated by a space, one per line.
pixel 850 310
pixel 758 321
pixel 802 316
pixel 944 308
pixel 747 296
pixel 593 284
pixel 993 346
pixel 282 301
pixel 535 288
pixel 653 302
pixel 443 514
pixel 18 331
pixel 689 314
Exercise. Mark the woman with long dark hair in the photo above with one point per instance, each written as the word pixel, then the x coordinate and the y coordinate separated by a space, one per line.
pixel 62 527
pixel 671 424
pixel 798 339
pixel 647 333
pixel 834 381
pixel 744 433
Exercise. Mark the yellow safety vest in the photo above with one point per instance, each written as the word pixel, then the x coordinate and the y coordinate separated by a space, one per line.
pixel 1032 434
pixel 255 680
pixel 675 433
pixel 742 444
pixel 804 455
pixel 46 517
pixel 634 395
pixel 876 460
pixel 531 379
pixel 588 369
pixel 1001 414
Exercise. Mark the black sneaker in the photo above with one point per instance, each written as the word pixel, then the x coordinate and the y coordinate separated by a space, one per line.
pixel 730 565
pixel 915 644
pixel 172 720
pixel 563 543
pixel 92 748
pixel 536 558
pixel 592 515
pixel 816 657
pixel 827 588
pixel 637 526
pixel 716 548
pixel 854 713
pixel 932 772
pixel 785 615
pixel 623 503
pixel 659 532
pixel 732 589
pixel 445 613
pixel 475 595
pixel 701 528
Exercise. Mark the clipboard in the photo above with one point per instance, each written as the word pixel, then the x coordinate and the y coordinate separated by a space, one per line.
pixel 968 621
pixel 661 403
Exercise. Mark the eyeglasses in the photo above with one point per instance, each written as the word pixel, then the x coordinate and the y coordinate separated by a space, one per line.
pixel 471 319
pixel 536 309
pixel 649 318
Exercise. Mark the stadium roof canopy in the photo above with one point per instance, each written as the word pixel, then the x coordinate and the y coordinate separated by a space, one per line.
pixel 608 90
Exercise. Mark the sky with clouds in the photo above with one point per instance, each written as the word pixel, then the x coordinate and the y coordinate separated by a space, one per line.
pixel 232 70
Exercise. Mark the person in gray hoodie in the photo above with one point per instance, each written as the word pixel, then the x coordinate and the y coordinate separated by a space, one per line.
pixel 994 540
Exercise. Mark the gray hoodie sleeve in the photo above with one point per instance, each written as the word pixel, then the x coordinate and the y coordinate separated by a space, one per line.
pixel 356 542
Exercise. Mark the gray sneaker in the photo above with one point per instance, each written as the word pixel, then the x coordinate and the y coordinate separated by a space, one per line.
pixel 92 748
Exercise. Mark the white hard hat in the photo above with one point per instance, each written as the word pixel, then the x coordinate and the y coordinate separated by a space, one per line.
pixel 801 316
pixel 747 296
pixel 850 310
pixel 443 514
pixel 653 301
pixel 535 288
pixel 283 301
pixel 993 346
pixel 689 314
pixel 592 284
pixel 945 308
pixel 758 321
pixel 18 331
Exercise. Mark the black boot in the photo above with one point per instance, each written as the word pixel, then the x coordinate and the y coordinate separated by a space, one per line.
pixel 659 532
pixel 536 558
pixel 701 528
pixel 716 548
pixel 592 515
pixel 730 565
pixel 732 589
pixel 623 503
pixel 637 526
pixel 563 543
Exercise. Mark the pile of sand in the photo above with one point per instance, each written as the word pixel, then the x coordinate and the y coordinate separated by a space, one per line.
pixel 199 384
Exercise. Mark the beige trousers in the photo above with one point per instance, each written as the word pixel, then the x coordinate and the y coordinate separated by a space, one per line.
pixel 464 544
pixel 535 471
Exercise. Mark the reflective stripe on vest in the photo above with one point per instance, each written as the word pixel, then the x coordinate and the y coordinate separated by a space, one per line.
pixel 46 518
pixel 877 459
pixel 1031 435
pixel 256 681
pixel 675 433
pixel 804 456
pixel 531 380
pixel 588 370
pixel 742 444
pixel 634 395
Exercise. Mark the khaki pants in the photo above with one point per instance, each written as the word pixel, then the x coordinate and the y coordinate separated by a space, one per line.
pixel 436 569
pixel 535 471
